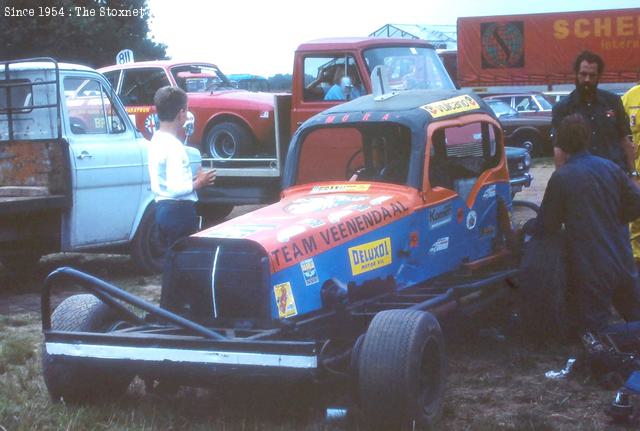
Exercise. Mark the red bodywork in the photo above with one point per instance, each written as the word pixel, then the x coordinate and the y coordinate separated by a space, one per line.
pixel 255 110
pixel 539 49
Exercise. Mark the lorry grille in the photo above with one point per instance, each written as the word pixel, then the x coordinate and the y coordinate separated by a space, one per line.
pixel 218 278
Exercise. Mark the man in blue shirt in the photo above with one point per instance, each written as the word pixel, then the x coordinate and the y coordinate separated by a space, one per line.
pixel 594 199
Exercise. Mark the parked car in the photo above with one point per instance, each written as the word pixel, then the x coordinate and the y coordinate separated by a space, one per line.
pixel 554 97
pixel 228 122
pixel 526 103
pixel 531 132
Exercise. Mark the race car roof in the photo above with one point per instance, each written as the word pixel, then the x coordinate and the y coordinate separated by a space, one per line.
pixel 422 105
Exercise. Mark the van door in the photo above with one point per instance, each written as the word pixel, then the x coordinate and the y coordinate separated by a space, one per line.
pixel 107 165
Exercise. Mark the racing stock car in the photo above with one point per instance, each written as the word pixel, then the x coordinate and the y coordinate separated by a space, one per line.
pixel 395 215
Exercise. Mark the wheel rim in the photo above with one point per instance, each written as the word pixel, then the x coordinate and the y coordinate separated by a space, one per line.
pixel 429 380
pixel 223 146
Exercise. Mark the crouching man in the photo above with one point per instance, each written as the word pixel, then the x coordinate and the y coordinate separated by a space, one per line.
pixel 594 199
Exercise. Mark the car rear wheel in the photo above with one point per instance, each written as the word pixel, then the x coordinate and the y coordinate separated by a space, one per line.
pixel 79 382
pixel 229 140
pixel 402 370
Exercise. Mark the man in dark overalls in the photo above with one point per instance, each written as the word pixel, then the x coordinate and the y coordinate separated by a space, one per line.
pixel 594 199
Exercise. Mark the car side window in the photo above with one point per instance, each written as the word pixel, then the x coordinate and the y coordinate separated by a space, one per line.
pixel 459 155
pixel 89 108
pixel 112 77
pixel 140 85
pixel 524 103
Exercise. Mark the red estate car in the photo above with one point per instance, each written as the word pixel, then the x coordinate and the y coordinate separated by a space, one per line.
pixel 228 122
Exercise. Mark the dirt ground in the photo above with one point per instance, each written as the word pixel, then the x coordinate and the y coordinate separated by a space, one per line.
pixel 496 379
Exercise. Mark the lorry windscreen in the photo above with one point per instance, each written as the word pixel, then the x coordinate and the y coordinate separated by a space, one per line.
pixel 410 67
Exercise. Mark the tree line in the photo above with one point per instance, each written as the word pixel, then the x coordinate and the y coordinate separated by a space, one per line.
pixel 65 32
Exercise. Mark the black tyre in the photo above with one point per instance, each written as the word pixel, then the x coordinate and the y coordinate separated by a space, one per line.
pixel 545 300
pixel 229 140
pixel 213 214
pixel 79 382
pixel 21 262
pixel 530 142
pixel 148 251
pixel 402 370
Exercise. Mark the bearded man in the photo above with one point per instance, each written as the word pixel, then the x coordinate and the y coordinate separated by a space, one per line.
pixel 602 110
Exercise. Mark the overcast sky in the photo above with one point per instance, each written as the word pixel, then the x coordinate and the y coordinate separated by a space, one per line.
pixel 260 36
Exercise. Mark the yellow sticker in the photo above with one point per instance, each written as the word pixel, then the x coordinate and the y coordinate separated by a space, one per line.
pixel 138 109
pixel 451 106
pixel 285 300
pixel 369 256
pixel 340 188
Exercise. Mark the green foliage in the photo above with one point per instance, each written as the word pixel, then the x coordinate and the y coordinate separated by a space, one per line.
pixel 93 41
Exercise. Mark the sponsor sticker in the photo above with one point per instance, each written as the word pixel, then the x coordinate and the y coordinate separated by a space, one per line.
pixel 335 217
pixel 309 272
pixel 138 109
pixel 490 192
pixel 285 300
pixel 289 232
pixel 340 188
pixel 370 256
pixel 487 230
pixel 451 106
pixel 237 231
pixel 320 203
pixel 472 218
pixel 312 222
pixel 379 200
pixel 440 215
pixel 150 123
pixel 440 245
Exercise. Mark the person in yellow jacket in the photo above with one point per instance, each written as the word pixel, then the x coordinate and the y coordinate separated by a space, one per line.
pixel 631 102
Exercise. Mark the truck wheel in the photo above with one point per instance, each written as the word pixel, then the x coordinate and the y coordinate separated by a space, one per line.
pixel 213 214
pixel 229 140
pixel 77 382
pixel 21 262
pixel 147 249
pixel 530 142
pixel 402 370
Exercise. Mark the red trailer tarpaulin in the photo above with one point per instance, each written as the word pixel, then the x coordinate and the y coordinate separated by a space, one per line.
pixel 539 49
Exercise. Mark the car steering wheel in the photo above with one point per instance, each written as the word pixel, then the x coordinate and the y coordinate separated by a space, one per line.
pixel 352 168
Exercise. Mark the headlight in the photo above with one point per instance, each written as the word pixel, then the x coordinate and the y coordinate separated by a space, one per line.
pixel 527 160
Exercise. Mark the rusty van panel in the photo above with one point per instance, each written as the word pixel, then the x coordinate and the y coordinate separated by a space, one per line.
pixel 29 168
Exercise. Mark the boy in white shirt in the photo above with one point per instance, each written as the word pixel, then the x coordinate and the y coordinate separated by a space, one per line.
pixel 169 169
